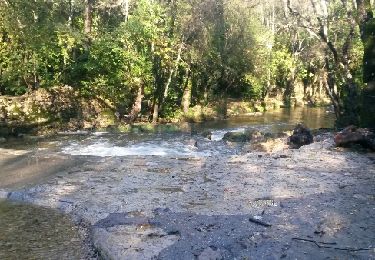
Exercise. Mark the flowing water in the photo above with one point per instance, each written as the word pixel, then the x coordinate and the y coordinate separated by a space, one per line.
pixel 28 232
pixel 26 162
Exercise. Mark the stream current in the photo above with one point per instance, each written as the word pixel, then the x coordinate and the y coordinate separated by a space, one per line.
pixel 29 232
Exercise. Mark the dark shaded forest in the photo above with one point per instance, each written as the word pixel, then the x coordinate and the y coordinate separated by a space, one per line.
pixel 161 58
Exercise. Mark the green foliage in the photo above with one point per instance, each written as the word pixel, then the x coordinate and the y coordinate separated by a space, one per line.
pixel 220 49
pixel 255 86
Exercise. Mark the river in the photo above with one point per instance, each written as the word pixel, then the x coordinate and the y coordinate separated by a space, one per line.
pixel 30 232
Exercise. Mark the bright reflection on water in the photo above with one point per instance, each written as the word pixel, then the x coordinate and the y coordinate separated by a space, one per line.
pixel 272 122
pixel 46 157
pixel 278 120
pixel 180 144
pixel 174 143
pixel 105 148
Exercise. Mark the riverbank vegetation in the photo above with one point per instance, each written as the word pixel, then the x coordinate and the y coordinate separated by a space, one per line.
pixel 171 59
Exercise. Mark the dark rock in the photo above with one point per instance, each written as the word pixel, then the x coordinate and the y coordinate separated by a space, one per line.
pixel 236 137
pixel 207 134
pixel 301 136
pixel 352 135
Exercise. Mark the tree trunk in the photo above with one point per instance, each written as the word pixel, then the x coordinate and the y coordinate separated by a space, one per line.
pixel 350 99
pixel 88 16
pixel 173 70
pixel 223 105
pixel 367 28
pixel 137 106
pixel 126 9
pixel 186 97
pixel 205 95
pixel 160 99
pixel 158 82
pixel 155 113
pixel 330 87
pixel 71 9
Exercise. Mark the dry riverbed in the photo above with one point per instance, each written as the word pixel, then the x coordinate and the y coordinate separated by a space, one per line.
pixel 316 202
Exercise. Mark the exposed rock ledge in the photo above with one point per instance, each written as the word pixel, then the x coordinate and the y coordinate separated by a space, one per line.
pixel 163 208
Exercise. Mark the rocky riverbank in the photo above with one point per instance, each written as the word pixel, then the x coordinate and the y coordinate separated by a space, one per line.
pixel 317 202
pixel 62 108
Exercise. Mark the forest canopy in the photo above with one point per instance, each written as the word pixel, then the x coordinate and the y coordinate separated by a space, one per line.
pixel 161 57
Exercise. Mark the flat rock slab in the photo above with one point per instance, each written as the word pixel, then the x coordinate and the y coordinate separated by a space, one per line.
pixel 314 193
pixel 170 235
pixel 219 237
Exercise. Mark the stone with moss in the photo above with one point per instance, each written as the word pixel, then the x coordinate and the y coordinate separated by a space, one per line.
pixel 236 137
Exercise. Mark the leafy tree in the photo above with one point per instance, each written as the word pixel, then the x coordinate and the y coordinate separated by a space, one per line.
pixel 160 57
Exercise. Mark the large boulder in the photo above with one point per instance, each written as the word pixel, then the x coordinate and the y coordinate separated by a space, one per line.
pixel 301 136
pixel 352 135
pixel 236 137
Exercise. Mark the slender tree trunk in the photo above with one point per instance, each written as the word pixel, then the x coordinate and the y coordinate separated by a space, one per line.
pixel 137 106
pixel 289 91
pixel 330 86
pixel 223 103
pixel 285 9
pixel 88 16
pixel 221 42
pixel 155 113
pixel 173 70
pixel 186 97
pixel 36 77
pixel 70 18
pixel 159 101
pixel 126 9
pixel 205 95
pixel 158 83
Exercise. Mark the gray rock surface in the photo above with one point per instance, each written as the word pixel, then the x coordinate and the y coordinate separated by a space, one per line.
pixel 152 207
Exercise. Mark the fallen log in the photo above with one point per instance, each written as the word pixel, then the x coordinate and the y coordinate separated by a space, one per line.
pixel 353 135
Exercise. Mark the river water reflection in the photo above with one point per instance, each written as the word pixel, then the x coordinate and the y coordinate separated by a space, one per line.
pixel 278 120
